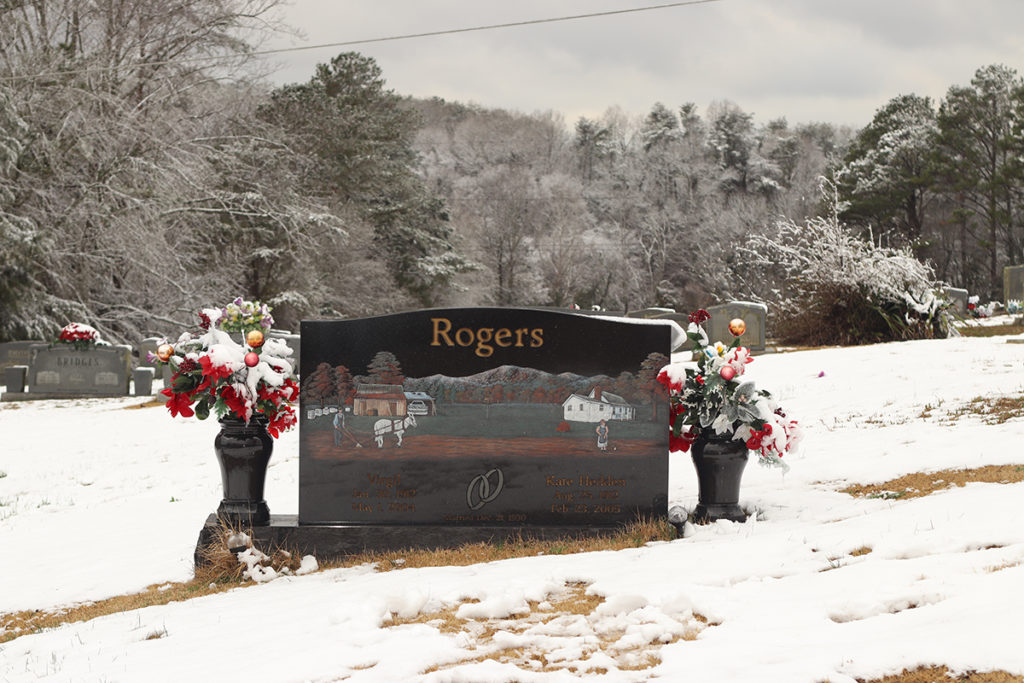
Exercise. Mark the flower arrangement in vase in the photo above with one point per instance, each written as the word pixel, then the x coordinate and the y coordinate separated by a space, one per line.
pixel 709 399
pixel 212 372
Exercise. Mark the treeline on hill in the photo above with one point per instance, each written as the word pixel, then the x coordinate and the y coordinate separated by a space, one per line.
pixel 146 171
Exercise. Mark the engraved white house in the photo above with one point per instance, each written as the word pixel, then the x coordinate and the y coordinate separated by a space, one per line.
pixel 596 406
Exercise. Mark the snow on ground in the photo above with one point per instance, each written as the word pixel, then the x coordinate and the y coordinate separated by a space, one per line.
pixel 99 499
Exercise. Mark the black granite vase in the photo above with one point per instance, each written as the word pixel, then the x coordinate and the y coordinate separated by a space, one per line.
pixel 243 451
pixel 719 462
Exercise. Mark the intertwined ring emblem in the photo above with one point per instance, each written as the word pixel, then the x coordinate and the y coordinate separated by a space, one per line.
pixel 482 491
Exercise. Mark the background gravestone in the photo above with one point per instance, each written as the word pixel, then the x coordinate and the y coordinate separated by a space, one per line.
pixel 294 341
pixel 651 312
pixel 147 346
pixel 755 315
pixel 61 369
pixel 959 299
pixel 461 419
pixel 1013 283
pixel 14 377
pixel 16 353
pixel 142 378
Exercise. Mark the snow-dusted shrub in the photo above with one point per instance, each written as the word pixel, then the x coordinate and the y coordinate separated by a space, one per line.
pixel 835 287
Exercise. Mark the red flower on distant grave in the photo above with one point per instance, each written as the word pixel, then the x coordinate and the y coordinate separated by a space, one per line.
pixel 699 316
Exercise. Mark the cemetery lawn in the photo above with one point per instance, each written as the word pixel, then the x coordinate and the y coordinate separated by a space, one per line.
pixel 891 551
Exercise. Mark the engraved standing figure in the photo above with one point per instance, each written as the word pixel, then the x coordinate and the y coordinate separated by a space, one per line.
pixel 340 431
pixel 602 435
pixel 382 428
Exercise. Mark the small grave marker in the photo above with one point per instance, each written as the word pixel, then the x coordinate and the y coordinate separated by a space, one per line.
pixel 14 378
pixel 1013 283
pixel 142 378
pixel 958 297
pixel 755 316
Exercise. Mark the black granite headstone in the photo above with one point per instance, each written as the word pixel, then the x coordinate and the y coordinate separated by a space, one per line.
pixel 482 416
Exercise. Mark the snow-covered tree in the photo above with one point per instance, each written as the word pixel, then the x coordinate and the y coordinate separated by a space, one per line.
pixel 360 135
pixel 885 177
pixel 974 162
pixel 832 286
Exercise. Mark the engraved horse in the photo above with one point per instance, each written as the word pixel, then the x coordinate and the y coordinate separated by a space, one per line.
pixel 396 426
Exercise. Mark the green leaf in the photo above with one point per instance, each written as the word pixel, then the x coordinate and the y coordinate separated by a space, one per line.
pixel 202 409
pixel 184 384
pixel 221 408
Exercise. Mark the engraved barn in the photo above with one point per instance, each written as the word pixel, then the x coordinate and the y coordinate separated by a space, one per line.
pixel 380 399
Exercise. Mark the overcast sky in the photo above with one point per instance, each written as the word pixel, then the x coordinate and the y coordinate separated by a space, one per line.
pixel 807 60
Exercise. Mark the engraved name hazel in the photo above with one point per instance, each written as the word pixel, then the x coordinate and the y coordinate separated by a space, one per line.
pixel 485 339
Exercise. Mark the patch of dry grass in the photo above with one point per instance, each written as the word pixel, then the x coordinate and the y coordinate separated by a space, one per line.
pixel 940 674
pixel 221 571
pixel 991 330
pixel 991 410
pixel 633 535
pixel 152 403
pixel 16 624
pixel 571 605
pixel 919 484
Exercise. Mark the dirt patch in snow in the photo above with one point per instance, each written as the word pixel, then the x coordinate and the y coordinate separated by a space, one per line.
pixel 571 632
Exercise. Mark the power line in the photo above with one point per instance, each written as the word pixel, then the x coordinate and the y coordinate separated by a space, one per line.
pixel 488 27
pixel 367 41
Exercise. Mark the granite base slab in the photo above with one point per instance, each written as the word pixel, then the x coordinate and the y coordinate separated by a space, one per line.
pixel 330 542
pixel 44 396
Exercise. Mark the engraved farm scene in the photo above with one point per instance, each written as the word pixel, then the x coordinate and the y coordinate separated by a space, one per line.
pixel 507 410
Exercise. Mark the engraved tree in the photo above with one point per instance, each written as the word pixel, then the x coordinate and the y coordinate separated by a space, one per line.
pixel 344 385
pixel 385 369
pixel 320 384
pixel 647 380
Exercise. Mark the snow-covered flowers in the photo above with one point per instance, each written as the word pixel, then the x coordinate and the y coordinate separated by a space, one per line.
pixel 979 310
pixel 80 336
pixel 710 399
pixel 241 316
pixel 214 372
